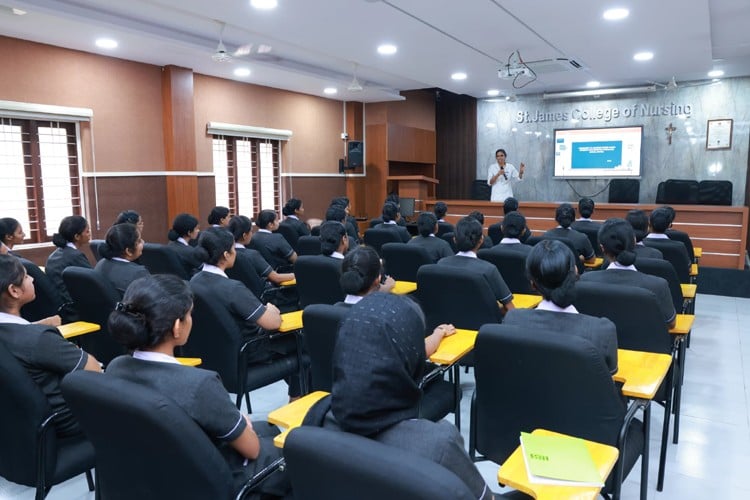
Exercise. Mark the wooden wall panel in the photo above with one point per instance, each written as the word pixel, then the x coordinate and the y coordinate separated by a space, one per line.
pixel 408 144
pixel 377 170
pixel 316 193
pixel 456 128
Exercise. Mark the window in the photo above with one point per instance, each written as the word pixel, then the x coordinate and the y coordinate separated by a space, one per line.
pixel 39 171
pixel 247 174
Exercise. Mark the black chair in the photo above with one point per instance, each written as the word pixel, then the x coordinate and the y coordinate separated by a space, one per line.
pixel 512 267
pixel 94 298
pixel 715 192
pixel 48 301
pixel 144 442
pixel 660 200
pixel 683 238
pixel 376 238
pixel 592 233
pixel 450 238
pixel 495 232
pixel 31 454
pixel 308 245
pixel 681 192
pixel 289 233
pixel 675 253
pixel 624 190
pixel 480 190
pixel 640 327
pixel 285 298
pixel 663 269
pixel 335 465
pixel 160 259
pixel 528 380
pixel 318 280
pixel 217 340
pixel 402 261
pixel 95 244
pixel 444 228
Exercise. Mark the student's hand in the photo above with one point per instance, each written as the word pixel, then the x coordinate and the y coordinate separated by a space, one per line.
pixel 387 285
pixel 249 422
pixel 446 329
pixel 50 321
pixel 272 308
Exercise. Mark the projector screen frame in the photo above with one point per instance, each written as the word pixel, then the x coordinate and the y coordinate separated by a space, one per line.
pixel 597 172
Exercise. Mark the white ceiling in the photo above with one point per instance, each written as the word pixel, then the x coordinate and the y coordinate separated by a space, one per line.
pixel 316 43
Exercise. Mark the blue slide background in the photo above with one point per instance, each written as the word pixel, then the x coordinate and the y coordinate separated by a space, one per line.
pixel 596 154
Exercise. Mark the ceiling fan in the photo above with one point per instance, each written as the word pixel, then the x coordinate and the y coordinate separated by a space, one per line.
pixel 355 85
pixel 256 51
pixel 672 84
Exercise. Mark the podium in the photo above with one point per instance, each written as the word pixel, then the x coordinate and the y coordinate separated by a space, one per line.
pixel 419 187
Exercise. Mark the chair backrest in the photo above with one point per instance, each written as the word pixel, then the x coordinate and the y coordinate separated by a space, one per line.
pixel 146 446
pixel 512 267
pixel 592 233
pixel 660 193
pixel 675 253
pixel 48 299
pixel 715 192
pixel 308 245
pixel 289 233
pixel 451 295
pixel 634 311
pixel 376 238
pixel 683 238
pixel 94 245
pixel 24 408
pixel 160 259
pixel 243 271
pixel 322 323
pixel 681 192
pixel 538 379
pixel 624 190
pixel 94 297
pixel 450 239
pixel 402 261
pixel 495 232
pixel 445 227
pixel 318 280
pixel 663 269
pixel 335 465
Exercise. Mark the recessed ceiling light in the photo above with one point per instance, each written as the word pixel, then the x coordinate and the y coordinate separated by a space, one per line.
pixel 615 14
pixel 330 90
pixel 491 125
pixel 459 76
pixel 106 43
pixel 592 84
pixel 493 93
pixel 715 73
pixel 241 72
pixel 643 56
pixel 18 12
pixel 387 49
pixel 264 4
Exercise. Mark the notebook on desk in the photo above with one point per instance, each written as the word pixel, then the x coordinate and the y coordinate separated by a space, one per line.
pixel 559 460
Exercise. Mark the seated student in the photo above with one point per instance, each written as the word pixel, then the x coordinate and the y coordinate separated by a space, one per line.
pixel 479 216
pixel 659 221
pixel 74 232
pixel 334 242
pixel 362 274
pixel 428 227
pixel 217 248
pixel 40 349
pixel 495 231
pixel 469 238
pixel 273 246
pixel 552 270
pixel 152 319
pixel 586 210
pixel 384 335
pixel 677 235
pixel 393 198
pixel 184 231
pixel 639 222
pixel 352 229
pixel 241 228
pixel 132 217
pixel 617 241
pixel 292 212
pixel 11 234
pixel 391 216
pixel 122 246
pixel 440 209
pixel 514 228
pixel 564 215
pixel 219 217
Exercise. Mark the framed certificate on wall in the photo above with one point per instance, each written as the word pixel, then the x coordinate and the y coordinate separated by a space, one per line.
pixel 719 134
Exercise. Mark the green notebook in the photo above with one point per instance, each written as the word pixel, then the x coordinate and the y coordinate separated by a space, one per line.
pixel 560 460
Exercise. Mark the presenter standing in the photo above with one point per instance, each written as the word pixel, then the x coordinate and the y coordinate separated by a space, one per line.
pixel 501 175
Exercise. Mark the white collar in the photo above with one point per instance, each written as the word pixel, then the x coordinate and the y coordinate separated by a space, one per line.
pixel 390 222
pixel 509 241
pixel 352 299
pixel 239 245
pixel 432 235
pixel 560 227
pixel 640 244
pixel 587 219
pixel 292 217
pixel 71 245
pixel 264 231
pixel 12 318
pixel 337 255
pixel 209 268
pixel 657 236
pixel 155 356
pixel 616 265
pixel 120 259
pixel 183 241
pixel 467 254
pixel 548 305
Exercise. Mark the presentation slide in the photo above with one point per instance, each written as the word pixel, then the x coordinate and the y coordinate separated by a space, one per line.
pixel 598 152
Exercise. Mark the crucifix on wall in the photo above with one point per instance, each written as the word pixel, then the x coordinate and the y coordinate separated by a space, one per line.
pixel 670 130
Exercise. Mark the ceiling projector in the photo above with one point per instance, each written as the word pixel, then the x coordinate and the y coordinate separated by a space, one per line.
pixel 508 72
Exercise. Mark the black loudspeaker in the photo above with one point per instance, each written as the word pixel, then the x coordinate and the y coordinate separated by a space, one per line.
pixel 624 190
pixel 355 153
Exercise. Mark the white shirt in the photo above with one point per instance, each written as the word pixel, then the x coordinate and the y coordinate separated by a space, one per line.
pixel 509 241
pixel 352 299
pixel 657 236
pixel 71 245
pixel 155 356
pixel 183 241
pixel 548 305
pixel 469 254
pixel 264 231
pixel 337 255
pixel 615 265
pixel 11 318
pixel 502 188
pixel 214 270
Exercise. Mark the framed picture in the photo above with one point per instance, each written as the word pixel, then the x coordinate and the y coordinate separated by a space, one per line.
pixel 719 134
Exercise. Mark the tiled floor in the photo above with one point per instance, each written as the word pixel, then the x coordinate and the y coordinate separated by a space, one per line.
pixel 712 459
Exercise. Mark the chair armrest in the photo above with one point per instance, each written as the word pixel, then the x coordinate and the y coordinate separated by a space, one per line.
pixel 190 361
pixel 291 415
pixel 77 328
pixel 683 324
pixel 526 300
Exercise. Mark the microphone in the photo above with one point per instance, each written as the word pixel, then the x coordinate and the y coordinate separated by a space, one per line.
pixel 502 171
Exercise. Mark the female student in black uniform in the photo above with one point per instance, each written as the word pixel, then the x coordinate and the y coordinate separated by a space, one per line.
pixel 216 245
pixel 153 318
pixel 73 233
pixel 122 246
pixel 293 210
pixel 218 217
pixel 11 234
pixel 132 217
pixel 241 228
pixel 184 229
pixel 551 267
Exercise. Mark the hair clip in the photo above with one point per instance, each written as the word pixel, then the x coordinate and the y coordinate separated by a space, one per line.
pixel 120 307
